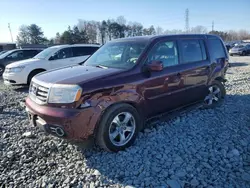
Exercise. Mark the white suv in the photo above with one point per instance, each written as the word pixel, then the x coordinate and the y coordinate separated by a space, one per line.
pixel 21 72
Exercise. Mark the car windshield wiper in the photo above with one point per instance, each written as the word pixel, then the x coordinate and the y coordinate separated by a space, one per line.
pixel 101 66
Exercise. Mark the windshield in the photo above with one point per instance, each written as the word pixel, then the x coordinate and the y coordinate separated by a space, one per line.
pixel 6 54
pixel 45 53
pixel 121 55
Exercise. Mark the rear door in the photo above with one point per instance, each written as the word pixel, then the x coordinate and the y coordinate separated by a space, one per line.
pixel 62 58
pixel 194 69
pixel 81 53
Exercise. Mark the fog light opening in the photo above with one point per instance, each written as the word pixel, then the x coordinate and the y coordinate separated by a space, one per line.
pixel 59 132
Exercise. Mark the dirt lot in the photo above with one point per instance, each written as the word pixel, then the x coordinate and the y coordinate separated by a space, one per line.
pixel 201 148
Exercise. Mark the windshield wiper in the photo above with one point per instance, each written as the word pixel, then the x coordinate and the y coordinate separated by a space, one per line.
pixel 101 66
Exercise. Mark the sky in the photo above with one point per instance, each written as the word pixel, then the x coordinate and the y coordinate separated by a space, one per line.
pixel 56 15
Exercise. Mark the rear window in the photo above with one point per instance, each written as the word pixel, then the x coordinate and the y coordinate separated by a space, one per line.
pixel 216 49
pixel 192 50
pixel 82 51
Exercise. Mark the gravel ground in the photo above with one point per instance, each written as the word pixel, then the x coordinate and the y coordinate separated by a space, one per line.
pixel 201 148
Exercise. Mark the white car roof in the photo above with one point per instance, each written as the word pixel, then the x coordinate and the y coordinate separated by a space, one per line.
pixel 72 45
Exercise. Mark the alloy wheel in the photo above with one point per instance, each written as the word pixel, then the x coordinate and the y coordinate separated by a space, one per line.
pixel 122 129
pixel 214 95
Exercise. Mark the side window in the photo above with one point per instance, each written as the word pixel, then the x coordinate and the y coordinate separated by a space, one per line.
pixel 62 54
pixel 91 50
pixel 30 53
pixel 15 55
pixel 166 52
pixel 192 50
pixel 82 51
pixel 216 49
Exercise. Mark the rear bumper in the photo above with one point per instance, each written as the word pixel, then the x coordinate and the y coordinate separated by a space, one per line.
pixel 75 125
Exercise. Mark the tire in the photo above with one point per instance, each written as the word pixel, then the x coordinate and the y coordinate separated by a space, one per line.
pixel 32 74
pixel 112 123
pixel 216 94
pixel 244 53
pixel 2 68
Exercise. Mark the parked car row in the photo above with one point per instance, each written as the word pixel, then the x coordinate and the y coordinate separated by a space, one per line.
pixel 21 72
pixel 241 49
pixel 107 99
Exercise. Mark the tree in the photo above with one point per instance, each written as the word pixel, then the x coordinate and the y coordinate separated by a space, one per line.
pixel 31 34
pixel 66 37
pixel 103 30
pixel 159 30
pixel 23 35
pixel 121 20
pixel 36 34
pixel 91 29
pixel 57 38
pixel 199 29
pixel 223 35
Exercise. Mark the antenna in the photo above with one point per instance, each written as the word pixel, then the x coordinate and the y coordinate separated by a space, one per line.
pixel 212 25
pixel 10 32
pixel 187 20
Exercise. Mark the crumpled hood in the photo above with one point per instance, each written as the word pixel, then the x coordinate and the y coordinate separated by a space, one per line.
pixel 23 62
pixel 75 74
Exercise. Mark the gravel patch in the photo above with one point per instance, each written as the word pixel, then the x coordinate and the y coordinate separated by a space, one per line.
pixel 201 148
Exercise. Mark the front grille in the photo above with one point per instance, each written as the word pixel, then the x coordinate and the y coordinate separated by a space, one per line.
pixel 38 93
pixel 7 70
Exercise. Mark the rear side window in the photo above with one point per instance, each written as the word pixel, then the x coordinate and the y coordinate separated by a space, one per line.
pixel 216 49
pixel 192 50
pixel 82 51
pixel 30 53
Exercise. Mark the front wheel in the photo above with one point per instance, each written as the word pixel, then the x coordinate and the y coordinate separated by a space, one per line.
pixel 118 127
pixel 215 95
pixel 1 70
pixel 244 53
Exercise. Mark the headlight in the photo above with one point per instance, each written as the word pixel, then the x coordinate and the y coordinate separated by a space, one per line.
pixel 15 69
pixel 60 93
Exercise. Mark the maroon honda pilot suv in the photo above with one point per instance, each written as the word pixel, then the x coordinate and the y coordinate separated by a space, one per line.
pixel 108 97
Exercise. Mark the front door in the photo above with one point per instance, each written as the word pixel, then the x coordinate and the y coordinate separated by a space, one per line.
pixel 161 90
pixel 62 58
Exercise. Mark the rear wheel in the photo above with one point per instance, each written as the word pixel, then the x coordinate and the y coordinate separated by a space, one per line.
pixel 244 53
pixel 1 70
pixel 118 128
pixel 215 95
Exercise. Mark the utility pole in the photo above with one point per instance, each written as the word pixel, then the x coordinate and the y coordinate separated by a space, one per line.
pixel 187 20
pixel 212 25
pixel 10 32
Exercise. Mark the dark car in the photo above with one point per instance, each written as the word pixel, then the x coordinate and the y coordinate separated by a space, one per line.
pixel 125 82
pixel 241 49
pixel 16 55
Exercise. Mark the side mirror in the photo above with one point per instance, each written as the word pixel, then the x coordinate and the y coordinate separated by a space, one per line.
pixel 155 66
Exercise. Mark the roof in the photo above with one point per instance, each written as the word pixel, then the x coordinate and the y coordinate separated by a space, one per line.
pixel 70 45
pixel 153 37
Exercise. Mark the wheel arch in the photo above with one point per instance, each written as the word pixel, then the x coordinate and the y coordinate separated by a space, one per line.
pixel 33 71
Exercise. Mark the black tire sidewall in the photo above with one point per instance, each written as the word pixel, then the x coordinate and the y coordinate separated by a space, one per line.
pixel 106 121
pixel 31 75
pixel 3 68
